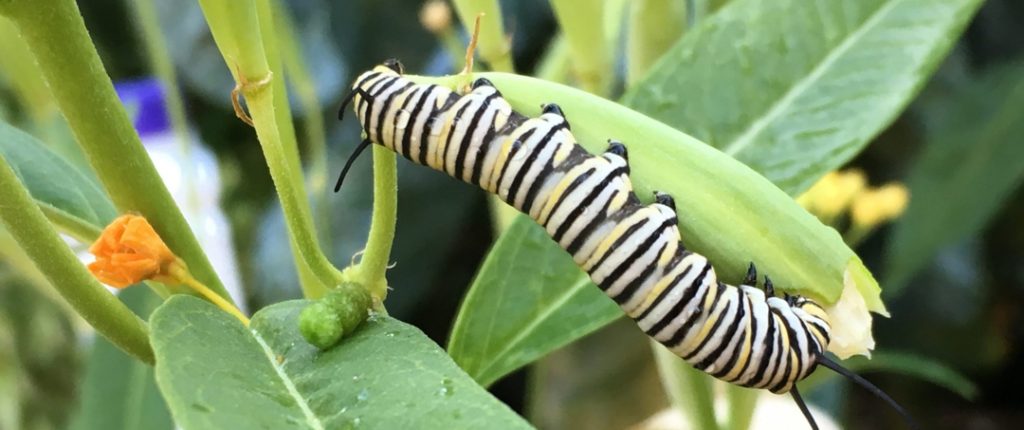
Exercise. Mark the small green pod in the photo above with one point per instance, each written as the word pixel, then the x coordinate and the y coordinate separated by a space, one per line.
pixel 325 321
pixel 351 303
pixel 321 325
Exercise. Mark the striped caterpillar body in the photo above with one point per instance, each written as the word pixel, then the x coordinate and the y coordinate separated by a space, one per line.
pixel 633 251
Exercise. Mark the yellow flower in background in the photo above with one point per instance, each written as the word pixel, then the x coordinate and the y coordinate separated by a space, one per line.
pixel 833 193
pixel 880 205
pixel 130 251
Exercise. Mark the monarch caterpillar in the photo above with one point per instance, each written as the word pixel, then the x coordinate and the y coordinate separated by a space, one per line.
pixel 740 334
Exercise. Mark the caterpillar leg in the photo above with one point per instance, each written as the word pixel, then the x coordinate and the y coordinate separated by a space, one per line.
pixel 769 288
pixel 394 64
pixel 555 109
pixel 483 82
pixel 617 148
pixel 665 200
pixel 751 278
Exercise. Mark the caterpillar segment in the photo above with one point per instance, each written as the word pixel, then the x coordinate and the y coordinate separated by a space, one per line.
pixel 632 251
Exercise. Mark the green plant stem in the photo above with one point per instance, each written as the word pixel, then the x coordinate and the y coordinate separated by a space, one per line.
pixel 493 45
pixel 148 26
pixel 689 389
pixel 554 65
pixel 582 24
pixel 313 284
pixel 856 234
pixel 742 402
pixel 29 227
pixel 654 26
pixel 236 29
pixel 23 74
pixel 374 263
pixel 75 227
pixel 282 109
pixel 313 127
pixel 56 35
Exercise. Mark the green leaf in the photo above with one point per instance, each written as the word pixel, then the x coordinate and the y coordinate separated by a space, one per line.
pixel 67 197
pixel 118 391
pixel 796 88
pixel 973 157
pixel 916 366
pixel 216 374
pixel 527 300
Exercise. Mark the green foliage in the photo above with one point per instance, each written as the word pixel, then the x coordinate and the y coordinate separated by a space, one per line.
pixel 40 241
pixel 215 374
pixel 526 301
pixel 55 33
pixel 68 198
pixel 117 391
pixel 973 157
pixel 793 88
pixel 39 358
pixel 790 89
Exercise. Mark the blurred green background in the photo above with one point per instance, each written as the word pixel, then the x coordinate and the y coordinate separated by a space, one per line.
pixel 952 268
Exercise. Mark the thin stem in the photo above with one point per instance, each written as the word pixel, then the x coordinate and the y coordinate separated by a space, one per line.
pixel 292 196
pixel 689 389
pixel 148 26
pixel 55 33
pixel 554 65
pixel 494 46
pixel 75 227
pixel 282 109
pixel 23 74
pixel 582 24
pixel 184 277
pixel 30 229
pixel 654 26
pixel 382 227
pixel 314 283
pixel 235 26
pixel 856 234
pixel 313 126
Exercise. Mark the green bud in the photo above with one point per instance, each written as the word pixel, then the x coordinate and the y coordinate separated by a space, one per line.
pixel 320 325
pixel 351 303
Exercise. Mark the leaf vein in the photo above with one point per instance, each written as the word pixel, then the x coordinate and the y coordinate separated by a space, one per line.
pixel 800 86
pixel 311 418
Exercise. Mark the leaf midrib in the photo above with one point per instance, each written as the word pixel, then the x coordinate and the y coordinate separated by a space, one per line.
pixel 802 85
pixel 311 418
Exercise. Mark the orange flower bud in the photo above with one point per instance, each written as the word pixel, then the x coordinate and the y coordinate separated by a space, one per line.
pixel 129 251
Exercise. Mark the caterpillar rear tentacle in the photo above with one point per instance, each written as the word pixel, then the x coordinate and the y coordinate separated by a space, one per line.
pixel 586 203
